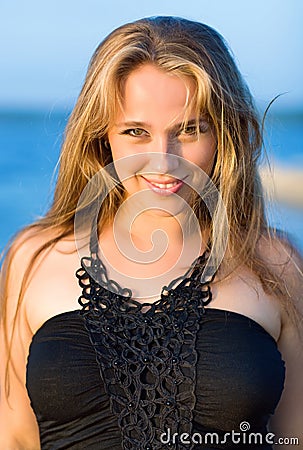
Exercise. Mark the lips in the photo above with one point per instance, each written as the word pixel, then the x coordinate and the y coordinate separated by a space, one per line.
pixel 164 187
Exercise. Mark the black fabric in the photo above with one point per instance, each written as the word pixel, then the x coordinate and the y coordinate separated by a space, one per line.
pixel 111 376
pixel 147 358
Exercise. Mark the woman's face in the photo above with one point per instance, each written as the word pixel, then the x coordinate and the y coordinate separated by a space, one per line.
pixel 149 133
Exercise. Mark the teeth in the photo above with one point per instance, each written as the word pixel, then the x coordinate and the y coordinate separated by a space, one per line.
pixel 165 186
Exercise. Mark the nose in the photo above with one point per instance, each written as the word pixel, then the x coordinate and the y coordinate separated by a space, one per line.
pixel 164 162
pixel 164 156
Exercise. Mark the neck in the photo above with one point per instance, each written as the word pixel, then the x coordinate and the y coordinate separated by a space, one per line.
pixel 146 253
pixel 152 227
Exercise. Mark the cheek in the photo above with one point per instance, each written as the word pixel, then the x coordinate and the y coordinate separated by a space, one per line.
pixel 201 155
pixel 126 162
pixel 118 151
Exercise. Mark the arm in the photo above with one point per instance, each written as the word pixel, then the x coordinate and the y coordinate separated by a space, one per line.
pixel 288 419
pixel 18 426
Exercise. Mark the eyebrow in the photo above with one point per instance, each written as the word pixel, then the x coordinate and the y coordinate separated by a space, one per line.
pixel 133 124
pixel 148 125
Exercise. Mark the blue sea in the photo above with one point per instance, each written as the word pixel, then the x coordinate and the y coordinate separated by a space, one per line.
pixel 30 144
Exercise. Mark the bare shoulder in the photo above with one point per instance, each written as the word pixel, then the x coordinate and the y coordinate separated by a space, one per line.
pixel 36 242
pixel 31 249
pixel 44 259
pixel 279 251
pixel 18 427
pixel 36 261
pixel 17 263
pixel 38 265
pixel 286 261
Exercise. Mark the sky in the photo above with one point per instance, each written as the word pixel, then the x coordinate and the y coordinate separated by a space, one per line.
pixel 45 46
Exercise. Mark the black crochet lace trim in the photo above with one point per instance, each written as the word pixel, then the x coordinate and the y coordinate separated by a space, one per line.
pixel 147 359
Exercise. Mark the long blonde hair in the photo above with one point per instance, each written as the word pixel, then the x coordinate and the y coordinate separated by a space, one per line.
pixel 187 49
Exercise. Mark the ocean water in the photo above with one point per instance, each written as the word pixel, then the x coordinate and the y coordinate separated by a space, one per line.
pixel 30 144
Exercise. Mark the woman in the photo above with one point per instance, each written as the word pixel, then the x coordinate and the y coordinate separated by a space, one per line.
pixel 164 136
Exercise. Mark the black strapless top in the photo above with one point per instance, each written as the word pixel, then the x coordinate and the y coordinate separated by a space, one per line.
pixel 179 375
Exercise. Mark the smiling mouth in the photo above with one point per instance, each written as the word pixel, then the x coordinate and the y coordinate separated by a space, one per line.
pixel 164 188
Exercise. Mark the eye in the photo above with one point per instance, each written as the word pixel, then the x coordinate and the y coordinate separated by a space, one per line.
pixel 135 132
pixel 189 131
pixel 193 130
